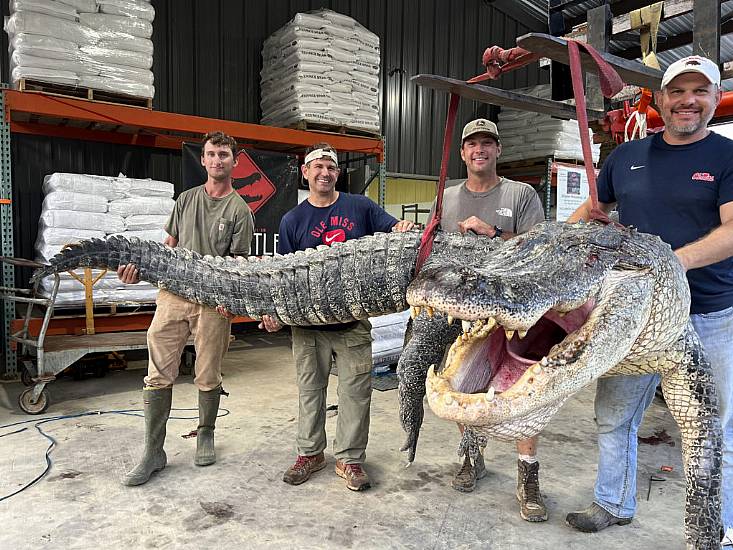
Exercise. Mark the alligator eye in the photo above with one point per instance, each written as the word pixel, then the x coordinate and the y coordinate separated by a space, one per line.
pixel 591 260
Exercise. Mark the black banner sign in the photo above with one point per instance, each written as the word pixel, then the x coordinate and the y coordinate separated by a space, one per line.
pixel 268 181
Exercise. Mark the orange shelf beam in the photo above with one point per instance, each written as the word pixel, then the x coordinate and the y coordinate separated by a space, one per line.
pixel 156 128
pixel 73 326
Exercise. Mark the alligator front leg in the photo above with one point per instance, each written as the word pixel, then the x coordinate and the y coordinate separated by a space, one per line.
pixel 429 340
pixel 693 401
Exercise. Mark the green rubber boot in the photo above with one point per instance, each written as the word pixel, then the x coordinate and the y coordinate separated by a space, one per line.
pixel 208 409
pixel 157 405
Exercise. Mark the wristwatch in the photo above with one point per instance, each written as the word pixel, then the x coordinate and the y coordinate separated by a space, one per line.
pixel 498 231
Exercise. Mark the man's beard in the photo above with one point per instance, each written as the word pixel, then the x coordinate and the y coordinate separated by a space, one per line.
pixel 685 130
pixel 689 129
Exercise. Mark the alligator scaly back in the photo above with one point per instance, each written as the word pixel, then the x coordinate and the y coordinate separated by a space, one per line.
pixel 348 281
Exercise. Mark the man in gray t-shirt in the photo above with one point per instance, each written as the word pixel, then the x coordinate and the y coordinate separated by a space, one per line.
pixel 209 219
pixel 488 204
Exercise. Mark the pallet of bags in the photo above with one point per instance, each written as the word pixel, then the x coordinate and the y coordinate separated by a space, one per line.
pixel 388 337
pixel 321 68
pixel 80 206
pixel 527 135
pixel 62 46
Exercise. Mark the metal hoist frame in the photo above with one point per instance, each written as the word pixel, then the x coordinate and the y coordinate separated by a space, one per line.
pixel 6 235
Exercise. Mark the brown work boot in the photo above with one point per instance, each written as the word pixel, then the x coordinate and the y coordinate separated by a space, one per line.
pixel 303 468
pixel 465 480
pixel 355 476
pixel 531 507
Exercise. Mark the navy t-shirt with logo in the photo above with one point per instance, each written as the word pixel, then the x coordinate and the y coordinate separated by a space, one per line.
pixel 350 217
pixel 675 191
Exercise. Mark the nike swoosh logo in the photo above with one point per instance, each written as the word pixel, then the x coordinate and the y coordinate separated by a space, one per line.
pixel 330 239
pixel 633 167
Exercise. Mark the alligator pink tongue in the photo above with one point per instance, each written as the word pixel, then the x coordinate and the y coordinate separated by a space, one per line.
pixel 500 364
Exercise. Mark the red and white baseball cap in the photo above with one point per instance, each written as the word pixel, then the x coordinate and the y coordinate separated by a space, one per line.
pixel 692 64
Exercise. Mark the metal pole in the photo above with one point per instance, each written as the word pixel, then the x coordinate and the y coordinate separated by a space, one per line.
pixel 383 174
pixel 706 29
pixel 548 187
pixel 6 236
pixel 599 36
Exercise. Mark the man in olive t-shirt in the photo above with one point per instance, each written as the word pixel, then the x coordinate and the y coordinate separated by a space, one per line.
pixel 209 219
pixel 488 204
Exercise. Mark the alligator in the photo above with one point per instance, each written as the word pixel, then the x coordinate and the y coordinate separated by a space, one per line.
pixel 549 312
pixel 542 315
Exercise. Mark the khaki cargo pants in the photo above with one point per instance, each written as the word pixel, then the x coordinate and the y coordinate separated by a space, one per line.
pixel 174 321
pixel 352 349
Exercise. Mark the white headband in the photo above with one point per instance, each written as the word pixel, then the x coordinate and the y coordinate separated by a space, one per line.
pixel 320 153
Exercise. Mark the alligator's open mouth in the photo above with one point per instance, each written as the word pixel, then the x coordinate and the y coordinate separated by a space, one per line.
pixel 487 360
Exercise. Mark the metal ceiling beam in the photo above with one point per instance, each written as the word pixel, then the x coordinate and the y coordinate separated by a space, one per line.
pixel 556 49
pixel 672 42
pixel 503 98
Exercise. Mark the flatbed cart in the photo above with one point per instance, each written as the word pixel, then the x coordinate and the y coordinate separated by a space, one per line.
pixel 45 356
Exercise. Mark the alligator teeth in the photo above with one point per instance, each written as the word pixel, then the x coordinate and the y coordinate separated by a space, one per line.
pixel 536 369
pixel 414 311
pixel 522 333
pixel 450 320
pixel 544 362
pixel 490 394
pixel 466 325
pixel 490 323
pixel 429 311
pixel 448 399
pixel 477 326
pixel 509 334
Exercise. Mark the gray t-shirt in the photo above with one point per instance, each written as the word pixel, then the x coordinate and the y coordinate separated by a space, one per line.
pixel 209 225
pixel 512 205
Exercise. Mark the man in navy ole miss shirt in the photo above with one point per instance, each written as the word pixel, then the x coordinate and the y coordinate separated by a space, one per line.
pixel 325 217
pixel 677 185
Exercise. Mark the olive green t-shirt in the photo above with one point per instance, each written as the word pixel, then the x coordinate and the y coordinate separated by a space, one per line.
pixel 512 205
pixel 214 226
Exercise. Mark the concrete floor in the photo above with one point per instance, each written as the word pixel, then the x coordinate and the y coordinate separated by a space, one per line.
pixel 241 502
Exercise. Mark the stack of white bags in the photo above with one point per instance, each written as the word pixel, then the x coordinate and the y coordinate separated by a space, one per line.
pixel 99 44
pixel 527 135
pixel 321 67
pixel 78 207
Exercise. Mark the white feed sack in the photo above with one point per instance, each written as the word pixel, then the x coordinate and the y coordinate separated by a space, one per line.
pixel 526 135
pixel 321 67
pixel 73 43
pixel 79 206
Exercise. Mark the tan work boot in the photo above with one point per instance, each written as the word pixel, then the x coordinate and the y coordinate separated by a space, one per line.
pixel 303 468
pixel 465 480
pixel 531 507
pixel 355 476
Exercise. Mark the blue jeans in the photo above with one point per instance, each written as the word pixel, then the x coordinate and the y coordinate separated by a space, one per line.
pixel 620 405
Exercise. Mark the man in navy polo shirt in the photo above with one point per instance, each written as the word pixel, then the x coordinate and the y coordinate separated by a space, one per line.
pixel 678 185
pixel 328 216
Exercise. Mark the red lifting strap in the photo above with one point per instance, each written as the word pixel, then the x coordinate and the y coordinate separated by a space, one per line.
pixel 611 84
pixel 426 244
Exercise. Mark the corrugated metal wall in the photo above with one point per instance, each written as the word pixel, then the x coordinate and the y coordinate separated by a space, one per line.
pixel 207 63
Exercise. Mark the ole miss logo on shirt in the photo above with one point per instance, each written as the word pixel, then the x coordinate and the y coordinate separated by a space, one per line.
pixel 334 231
pixel 703 176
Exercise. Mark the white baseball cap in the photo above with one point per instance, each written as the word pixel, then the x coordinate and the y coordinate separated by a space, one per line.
pixel 692 64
